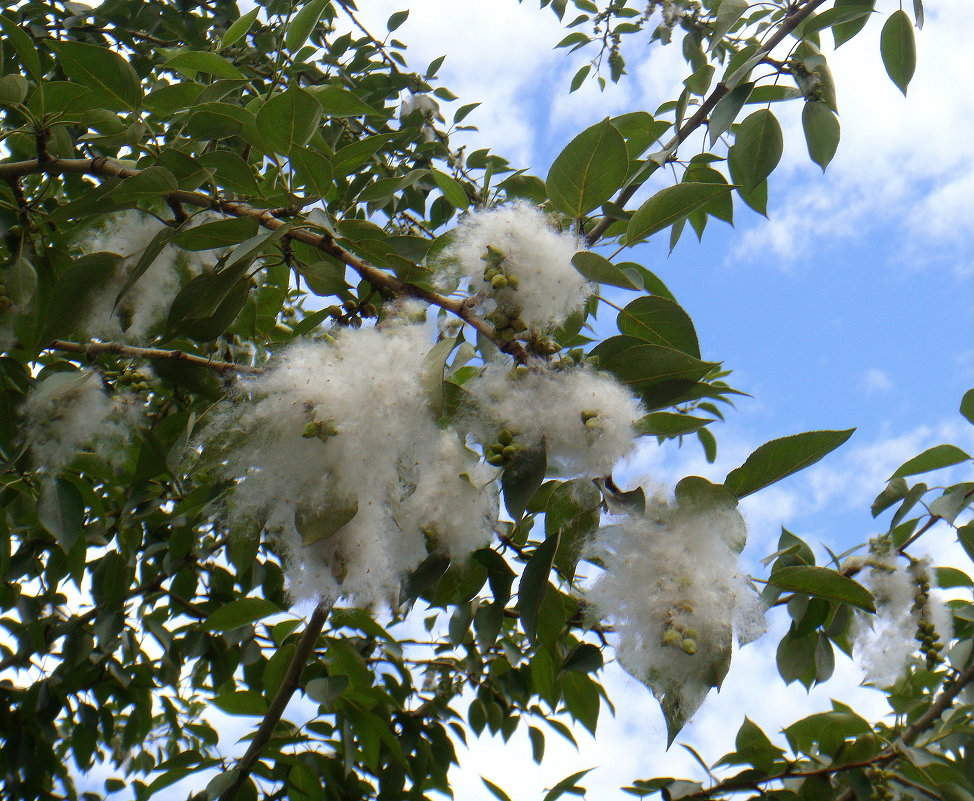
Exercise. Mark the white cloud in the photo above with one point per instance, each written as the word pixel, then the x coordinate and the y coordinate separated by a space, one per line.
pixel 876 380
pixel 902 164
pixel 498 53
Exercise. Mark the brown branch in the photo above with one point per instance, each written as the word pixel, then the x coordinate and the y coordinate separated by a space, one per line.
pixel 325 242
pixel 788 24
pixel 888 754
pixel 289 684
pixel 117 349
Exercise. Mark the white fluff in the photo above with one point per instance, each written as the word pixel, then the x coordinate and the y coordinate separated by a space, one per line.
pixel 884 642
pixel 551 405
pixel 675 569
pixel 550 288
pixel 67 412
pixel 143 310
pixel 416 487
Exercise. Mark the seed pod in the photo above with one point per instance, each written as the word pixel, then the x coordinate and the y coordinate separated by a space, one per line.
pixel 496 460
pixel 505 437
pixel 310 430
pixel 513 281
pixel 498 282
pixel 510 451
pixel 672 638
pixel 588 414
pixel 689 646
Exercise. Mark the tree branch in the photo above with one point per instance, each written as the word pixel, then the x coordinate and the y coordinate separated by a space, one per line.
pixel 118 349
pixel 289 684
pixel 888 754
pixel 379 279
pixel 788 24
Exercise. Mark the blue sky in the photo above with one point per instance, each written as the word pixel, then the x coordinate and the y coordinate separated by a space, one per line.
pixel 851 307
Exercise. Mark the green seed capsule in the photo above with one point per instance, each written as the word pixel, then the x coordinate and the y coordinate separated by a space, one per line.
pixel 498 282
pixel 689 646
pixel 496 460
pixel 672 638
pixel 310 430
pixel 588 414
pixel 691 633
pixel 513 281
pixel 510 451
pixel 505 437
pixel 495 448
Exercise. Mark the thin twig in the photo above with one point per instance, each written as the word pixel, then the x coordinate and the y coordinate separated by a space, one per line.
pixel 325 242
pixel 118 349
pixel 788 24
pixel 289 684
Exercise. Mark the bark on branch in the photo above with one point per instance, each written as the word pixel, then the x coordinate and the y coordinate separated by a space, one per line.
pixel 118 349
pixel 700 116
pixel 379 279
pixel 289 685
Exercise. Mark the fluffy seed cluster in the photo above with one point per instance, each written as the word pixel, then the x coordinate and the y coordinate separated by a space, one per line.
pixel 674 590
pixel 907 617
pixel 586 418
pixel 335 451
pixel 67 412
pixel 519 264
pixel 142 311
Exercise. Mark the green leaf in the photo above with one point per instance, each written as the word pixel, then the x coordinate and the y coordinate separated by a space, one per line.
pixel 241 612
pixel 238 28
pixel 313 170
pixel 756 150
pixel 451 189
pixel 74 290
pixel 572 513
pixel 190 62
pixel 208 304
pixel 522 478
pixel 670 205
pixel 13 89
pixel 589 170
pixel 327 690
pixel 338 102
pixel 217 234
pixel 821 582
pixel 566 785
pixel 496 791
pixel 61 511
pixel 967 406
pixel 244 702
pixel 898 49
pixel 781 457
pixel 534 584
pixel 728 13
pixel 301 25
pixel 152 183
pixel 315 525
pixel 230 171
pixel 21 281
pixel 24 46
pixel 396 20
pixel 842 32
pixel 821 128
pixel 289 119
pixel 102 70
pixel 659 321
pixel 431 378
pixel 933 458
pixel 596 267
pixel 658 374
pixel 669 424
pixel 584 658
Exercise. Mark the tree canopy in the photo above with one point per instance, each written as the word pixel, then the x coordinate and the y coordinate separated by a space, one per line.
pixel 305 403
